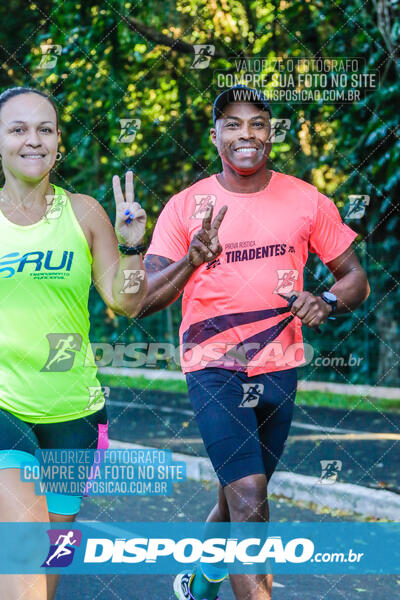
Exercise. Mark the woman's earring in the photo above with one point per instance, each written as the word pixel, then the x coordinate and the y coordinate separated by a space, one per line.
pixel 58 156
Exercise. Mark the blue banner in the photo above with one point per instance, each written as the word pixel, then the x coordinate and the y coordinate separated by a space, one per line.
pixel 144 548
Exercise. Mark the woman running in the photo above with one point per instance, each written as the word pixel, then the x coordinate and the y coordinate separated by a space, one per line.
pixel 53 243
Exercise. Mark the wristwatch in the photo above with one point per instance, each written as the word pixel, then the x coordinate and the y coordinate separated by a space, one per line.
pixel 129 250
pixel 330 299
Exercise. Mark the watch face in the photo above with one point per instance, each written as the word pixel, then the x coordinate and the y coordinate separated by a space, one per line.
pixel 330 296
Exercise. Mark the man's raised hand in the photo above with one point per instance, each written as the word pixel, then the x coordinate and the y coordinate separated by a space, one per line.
pixel 205 244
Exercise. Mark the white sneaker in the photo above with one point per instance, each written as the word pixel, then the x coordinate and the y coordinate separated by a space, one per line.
pixel 182 585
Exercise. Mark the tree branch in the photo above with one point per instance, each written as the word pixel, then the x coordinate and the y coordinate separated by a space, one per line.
pixel 152 35
pixel 384 27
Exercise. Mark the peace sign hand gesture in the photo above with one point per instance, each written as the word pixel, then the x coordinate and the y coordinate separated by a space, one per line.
pixel 130 218
pixel 205 244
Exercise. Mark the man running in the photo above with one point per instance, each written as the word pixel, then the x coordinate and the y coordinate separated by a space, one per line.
pixel 236 329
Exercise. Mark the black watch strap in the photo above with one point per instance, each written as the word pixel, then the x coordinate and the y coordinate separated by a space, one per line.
pixel 130 250
pixel 331 301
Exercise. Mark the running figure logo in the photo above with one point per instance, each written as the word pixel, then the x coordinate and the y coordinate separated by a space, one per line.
pixel 329 471
pixel 50 54
pixel 129 129
pixel 286 281
pixel 97 395
pixel 251 394
pixel 204 202
pixel 357 207
pixel 62 547
pixel 55 204
pixel 213 263
pixel 279 129
pixel 63 347
pixel 203 54
pixel 133 277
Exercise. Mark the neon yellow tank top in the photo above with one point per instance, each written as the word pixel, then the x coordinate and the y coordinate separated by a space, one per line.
pixel 47 369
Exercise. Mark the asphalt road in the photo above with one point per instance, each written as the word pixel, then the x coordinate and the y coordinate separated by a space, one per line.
pixel 366 443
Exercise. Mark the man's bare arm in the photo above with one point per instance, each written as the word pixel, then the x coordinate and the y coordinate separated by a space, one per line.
pixel 166 280
pixel 351 287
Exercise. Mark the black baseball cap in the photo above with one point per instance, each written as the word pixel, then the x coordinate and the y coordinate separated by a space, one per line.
pixel 239 93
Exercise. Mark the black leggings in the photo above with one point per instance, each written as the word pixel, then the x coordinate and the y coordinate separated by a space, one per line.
pixel 19 437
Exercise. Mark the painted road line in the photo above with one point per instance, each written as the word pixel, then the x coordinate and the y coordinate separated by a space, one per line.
pixel 321 428
pixel 345 437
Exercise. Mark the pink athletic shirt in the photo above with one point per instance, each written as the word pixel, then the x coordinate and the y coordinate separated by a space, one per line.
pixel 232 315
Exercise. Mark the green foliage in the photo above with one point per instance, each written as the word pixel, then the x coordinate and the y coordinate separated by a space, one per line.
pixel 133 60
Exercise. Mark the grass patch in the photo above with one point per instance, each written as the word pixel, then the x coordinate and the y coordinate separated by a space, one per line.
pixel 332 400
pixel 310 398
pixel 142 383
